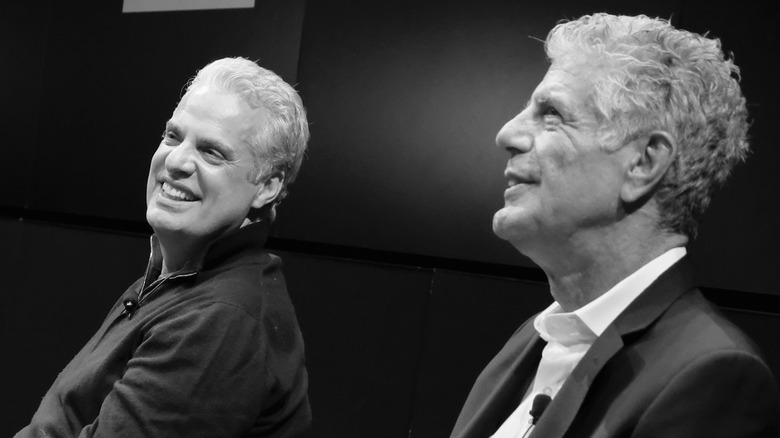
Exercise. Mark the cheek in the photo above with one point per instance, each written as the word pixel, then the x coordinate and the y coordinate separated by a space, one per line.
pixel 567 189
pixel 158 159
pixel 156 164
pixel 587 195
pixel 228 186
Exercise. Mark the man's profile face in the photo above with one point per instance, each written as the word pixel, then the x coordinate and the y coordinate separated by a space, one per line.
pixel 560 181
pixel 200 179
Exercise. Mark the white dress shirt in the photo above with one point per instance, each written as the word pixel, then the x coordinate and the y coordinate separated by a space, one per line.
pixel 569 335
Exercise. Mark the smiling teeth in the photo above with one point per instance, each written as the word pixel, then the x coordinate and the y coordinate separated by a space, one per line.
pixel 175 193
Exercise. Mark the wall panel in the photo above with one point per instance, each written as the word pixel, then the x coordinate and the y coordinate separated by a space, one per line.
pixel 739 235
pixel 362 325
pixel 471 319
pixel 23 30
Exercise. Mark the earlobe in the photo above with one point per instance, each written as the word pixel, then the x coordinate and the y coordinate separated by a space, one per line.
pixel 655 154
pixel 268 190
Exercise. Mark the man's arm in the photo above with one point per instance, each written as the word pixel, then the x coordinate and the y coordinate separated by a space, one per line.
pixel 203 372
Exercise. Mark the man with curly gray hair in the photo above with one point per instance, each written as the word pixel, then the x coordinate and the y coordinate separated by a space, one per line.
pixel 611 162
pixel 206 342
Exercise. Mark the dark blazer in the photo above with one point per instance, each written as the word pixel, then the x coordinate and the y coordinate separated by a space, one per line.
pixel 669 366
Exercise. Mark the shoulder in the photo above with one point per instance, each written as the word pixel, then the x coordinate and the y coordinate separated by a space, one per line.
pixel 710 374
pixel 689 344
pixel 245 296
pixel 693 326
pixel 256 286
pixel 687 372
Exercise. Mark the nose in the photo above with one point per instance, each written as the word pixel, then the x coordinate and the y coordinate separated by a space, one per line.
pixel 180 160
pixel 516 136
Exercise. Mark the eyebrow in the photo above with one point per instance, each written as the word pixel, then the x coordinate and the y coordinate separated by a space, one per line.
pixel 547 95
pixel 551 96
pixel 170 126
pixel 542 99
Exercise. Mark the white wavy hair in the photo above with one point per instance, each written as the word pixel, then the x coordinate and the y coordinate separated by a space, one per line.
pixel 661 78
pixel 280 142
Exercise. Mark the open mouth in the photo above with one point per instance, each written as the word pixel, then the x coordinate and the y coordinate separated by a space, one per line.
pixel 175 194
pixel 514 181
pixel 516 186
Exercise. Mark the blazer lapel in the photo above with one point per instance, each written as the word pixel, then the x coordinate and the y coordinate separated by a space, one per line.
pixel 638 316
pixel 506 384
pixel 654 301
pixel 567 402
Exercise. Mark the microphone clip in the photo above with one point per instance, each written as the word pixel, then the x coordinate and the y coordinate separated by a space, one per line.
pixel 538 407
pixel 131 306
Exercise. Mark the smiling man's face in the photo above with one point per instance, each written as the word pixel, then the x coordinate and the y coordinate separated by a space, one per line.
pixel 201 178
pixel 561 181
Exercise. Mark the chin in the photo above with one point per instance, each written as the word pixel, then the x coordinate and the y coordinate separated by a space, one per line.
pixel 502 233
pixel 503 223
pixel 159 221
pixel 512 225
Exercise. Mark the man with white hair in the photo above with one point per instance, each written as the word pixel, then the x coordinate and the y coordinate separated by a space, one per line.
pixel 610 165
pixel 206 343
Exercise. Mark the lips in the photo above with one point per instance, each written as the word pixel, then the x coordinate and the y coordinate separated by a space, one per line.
pixel 517 183
pixel 513 182
pixel 177 193
pixel 514 179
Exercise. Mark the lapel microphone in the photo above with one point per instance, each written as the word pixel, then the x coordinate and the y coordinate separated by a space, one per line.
pixel 539 405
pixel 131 306
pixel 537 409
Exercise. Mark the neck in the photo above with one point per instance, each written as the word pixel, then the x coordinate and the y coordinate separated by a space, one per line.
pixel 176 255
pixel 585 269
pixel 180 250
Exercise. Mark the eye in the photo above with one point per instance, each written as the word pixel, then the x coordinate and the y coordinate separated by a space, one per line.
pixel 550 111
pixel 212 155
pixel 170 137
pixel 550 116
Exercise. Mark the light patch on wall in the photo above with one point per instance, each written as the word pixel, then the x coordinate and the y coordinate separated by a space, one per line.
pixel 183 5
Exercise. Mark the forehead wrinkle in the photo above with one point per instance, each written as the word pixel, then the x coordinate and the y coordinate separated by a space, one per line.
pixel 568 99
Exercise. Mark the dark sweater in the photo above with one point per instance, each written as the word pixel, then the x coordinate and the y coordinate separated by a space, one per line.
pixel 211 351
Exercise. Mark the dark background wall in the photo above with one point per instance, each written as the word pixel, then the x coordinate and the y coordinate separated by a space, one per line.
pixel 402 291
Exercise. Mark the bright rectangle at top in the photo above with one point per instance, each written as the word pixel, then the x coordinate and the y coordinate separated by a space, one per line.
pixel 183 5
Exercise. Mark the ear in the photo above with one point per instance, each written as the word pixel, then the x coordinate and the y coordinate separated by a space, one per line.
pixel 268 190
pixel 654 155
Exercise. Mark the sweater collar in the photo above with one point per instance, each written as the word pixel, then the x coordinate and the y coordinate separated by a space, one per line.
pixel 239 241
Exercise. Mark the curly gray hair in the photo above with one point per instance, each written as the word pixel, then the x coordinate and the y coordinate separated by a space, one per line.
pixel 279 145
pixel 659 77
